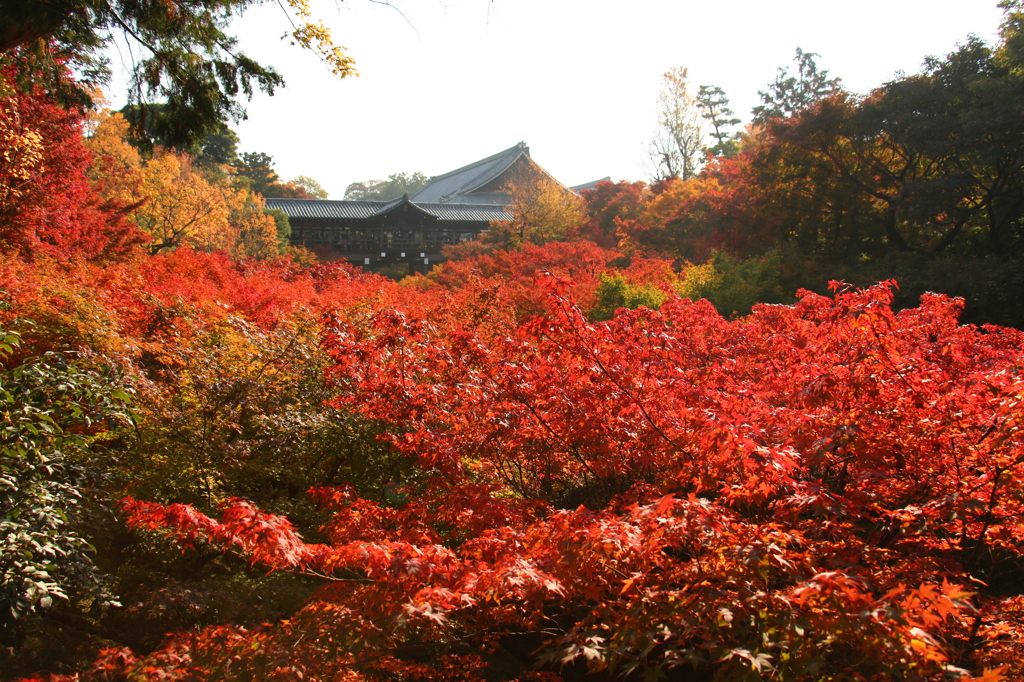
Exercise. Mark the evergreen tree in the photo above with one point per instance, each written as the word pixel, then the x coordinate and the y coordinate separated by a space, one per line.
pixel 715 110
pixel 794 92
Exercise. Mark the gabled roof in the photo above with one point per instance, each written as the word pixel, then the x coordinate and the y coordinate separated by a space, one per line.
pixel 452 187
pixel 328 209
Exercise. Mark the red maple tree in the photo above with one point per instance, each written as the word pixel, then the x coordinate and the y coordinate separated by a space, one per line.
pixel 47 204
pixel 825 487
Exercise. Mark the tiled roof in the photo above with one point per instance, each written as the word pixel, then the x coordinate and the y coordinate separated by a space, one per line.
pixel 327 208
pixel 496 198
pixel 471 212
pixel 452 186
pixel 324 208
pixel 589 185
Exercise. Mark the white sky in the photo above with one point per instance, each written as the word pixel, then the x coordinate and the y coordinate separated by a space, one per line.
pixel 454 81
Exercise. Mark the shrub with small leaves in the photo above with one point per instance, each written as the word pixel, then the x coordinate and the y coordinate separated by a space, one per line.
pixel 53 411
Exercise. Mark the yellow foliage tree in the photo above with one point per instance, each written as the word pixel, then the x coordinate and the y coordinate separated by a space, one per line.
pixel 666 205
pixel 175 202
pixel 257 231
pixel 182 208
pixel 543 210
pixel 21 153
pixel 115 160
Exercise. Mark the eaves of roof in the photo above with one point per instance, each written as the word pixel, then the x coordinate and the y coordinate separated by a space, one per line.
pixel 327 208
pixel 468 212
pixel 334 209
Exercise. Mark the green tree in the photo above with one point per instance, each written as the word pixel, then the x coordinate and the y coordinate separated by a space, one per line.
pixel 246 415
pixel 283 224
pixel 794 92
pixel 191 62
pixel 962 115
pixel 394 187
pixel 219 148
pixel 259 168
pixel 614 291
pixel 150 122
pixel 929 163
pixel 732 285
pixel 1010 54
pixel 714 106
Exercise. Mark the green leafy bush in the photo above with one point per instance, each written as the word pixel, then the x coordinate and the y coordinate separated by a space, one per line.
pixel 53 410
pixel 615 291
pixel 733 285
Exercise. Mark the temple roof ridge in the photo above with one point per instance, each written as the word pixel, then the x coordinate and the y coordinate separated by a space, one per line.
pixel 441 188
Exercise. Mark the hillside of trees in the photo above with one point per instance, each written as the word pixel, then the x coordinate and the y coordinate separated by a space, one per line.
pixel 761 418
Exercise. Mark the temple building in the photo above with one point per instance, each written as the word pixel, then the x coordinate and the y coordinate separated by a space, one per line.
pixel 450 208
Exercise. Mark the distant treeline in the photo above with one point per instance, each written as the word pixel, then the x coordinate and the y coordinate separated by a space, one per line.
pixel 920 180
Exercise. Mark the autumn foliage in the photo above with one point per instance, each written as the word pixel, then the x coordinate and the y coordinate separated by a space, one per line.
pixel 47 204
pixel 538 463
pixel 829 487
